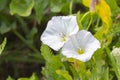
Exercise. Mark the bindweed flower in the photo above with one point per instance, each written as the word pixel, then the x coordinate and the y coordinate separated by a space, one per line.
pixel 58 30
pixel 81 46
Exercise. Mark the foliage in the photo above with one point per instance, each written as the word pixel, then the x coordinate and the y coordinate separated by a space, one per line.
pixel 2 46
pixel 23 8
pixel 53 63
pixel 33 77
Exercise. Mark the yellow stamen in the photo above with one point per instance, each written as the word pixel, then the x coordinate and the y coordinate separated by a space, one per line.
pixel 64 39
pixel 80 51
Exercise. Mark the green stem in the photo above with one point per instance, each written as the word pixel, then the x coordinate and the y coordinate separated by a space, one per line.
pixel 91 18
pixel 78 21
pixel 25 41
pixel 70 7
pixel 97 24
pixel 113 63
pixel 84 16
pixel 23 25
pixel 20 59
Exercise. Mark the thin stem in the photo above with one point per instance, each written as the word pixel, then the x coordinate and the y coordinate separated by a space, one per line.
pixel 25 41
pixel 79 22
pixel 97 24
pixel 113 63
pixel 23 25
pixel 84 16
pixel 20 59
pixel 91 18
pixel 70 7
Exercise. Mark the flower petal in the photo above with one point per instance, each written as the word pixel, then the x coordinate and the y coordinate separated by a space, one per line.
pixel 82 40
pixel 53 42
pixel 58 28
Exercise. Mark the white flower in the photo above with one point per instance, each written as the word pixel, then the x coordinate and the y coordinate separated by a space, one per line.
pixel 116 52
pixel 58 30
pixel 81 46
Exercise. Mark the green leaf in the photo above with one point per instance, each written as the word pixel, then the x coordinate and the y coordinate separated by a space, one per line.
pixel 74 73
pixel 118 43
pixel 23 79
pixel 4 28
pixel 99 71
pixel 9 78
pixel 21 7
pixel 105 75
pixel 40 6
pixel 64 73
pixel 81 69
pixel 3 4
pixel 113 5
pixel 65 9
pixel 33 77
pixel 53 63
pixel 103 37
pixel 57 5
pixel 2 46
pixel 46 52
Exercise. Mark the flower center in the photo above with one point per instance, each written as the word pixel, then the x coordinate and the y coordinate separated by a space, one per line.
pixel 64 39
pixel 80 51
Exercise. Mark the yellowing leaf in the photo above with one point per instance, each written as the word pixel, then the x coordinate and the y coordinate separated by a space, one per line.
pixel 99 34
pixel 102 36
pixel 86 3
pixel 103 10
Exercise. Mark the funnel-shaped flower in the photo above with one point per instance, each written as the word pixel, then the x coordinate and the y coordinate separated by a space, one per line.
pixel 81 46
pixel 58 31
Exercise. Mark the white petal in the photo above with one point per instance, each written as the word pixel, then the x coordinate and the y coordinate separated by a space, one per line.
pixel 82 40
pixel 53 41
pixel 58 27
pixel 88 41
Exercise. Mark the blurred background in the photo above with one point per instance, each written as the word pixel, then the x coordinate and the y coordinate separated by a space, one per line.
pixel 22 23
